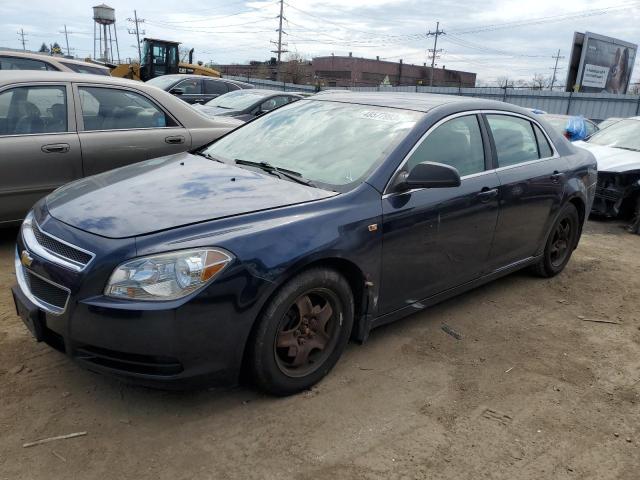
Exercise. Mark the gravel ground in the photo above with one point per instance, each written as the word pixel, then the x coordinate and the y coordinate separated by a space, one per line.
pixel 532 390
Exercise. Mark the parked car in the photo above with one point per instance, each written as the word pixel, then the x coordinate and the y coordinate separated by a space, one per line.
pixel 572 127
pixel 10 60
pixel 278 242
pixel 608 122
pixel 246 105
pixel 56 127
pixel 617 149
pixel 196 88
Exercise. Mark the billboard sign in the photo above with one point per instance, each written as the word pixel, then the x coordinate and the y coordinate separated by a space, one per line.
pixel 600 64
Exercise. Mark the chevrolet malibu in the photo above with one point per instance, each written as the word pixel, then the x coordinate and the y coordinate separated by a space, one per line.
pixel 267 250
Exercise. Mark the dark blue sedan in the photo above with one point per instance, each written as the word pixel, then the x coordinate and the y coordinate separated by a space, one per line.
pixel 269 249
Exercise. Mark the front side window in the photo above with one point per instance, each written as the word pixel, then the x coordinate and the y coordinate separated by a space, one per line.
pixel 457 142
pixel 191 86
pixel 514 139
pixel 115 109
pixel 29 110
pixel 330 143
pixel 17 63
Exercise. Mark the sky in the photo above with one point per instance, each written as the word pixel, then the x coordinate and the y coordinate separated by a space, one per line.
pixel 494 38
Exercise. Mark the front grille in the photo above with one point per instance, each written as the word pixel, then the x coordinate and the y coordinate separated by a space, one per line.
pixel 130 362
pixel 59 248
pixel 45 291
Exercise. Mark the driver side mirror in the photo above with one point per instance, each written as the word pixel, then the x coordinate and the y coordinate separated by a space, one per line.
pixel 177 91
pixel 427 175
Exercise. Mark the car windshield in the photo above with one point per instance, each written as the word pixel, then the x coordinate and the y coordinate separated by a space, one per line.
pixel 238 100
pixel 162 82
pixel 330 143
pixel 86 69
pixel 624 134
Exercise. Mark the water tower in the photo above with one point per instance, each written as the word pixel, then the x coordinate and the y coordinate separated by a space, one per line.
pixel 104 34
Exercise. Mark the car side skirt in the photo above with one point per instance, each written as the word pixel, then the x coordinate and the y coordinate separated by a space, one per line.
pixel 447 294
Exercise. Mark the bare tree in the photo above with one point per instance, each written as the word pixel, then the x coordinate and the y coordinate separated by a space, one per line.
pixel 539 82
pixel 295 68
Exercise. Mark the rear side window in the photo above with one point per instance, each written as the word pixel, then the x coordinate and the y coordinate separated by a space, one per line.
pixel 457 142
pixel 212 87
pixel 17 63
pixel 544 148
pixel 514 139
pixel 115 109
pixel 29 110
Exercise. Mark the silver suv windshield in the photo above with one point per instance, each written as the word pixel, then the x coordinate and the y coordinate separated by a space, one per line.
pixel 330 143
pixel 624 134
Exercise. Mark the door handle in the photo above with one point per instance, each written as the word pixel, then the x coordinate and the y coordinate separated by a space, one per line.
pixel 487 194
pixel 174 140
pixel 556 177
pixel 55 148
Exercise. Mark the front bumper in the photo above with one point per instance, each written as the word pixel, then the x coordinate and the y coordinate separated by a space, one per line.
pixel 198 341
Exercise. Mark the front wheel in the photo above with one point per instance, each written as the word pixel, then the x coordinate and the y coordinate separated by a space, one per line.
pixel 561 242
pixel 302 332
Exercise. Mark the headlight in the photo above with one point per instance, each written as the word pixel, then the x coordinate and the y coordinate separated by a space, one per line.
pixel 167 276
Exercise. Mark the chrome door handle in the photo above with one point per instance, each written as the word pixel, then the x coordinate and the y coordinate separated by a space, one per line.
pixel 487 194
pixel 55 148
pixel 174 140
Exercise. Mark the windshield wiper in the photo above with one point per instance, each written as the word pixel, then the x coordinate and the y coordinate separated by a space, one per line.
pixel 208 156
pixel 280 172
pixel 627 148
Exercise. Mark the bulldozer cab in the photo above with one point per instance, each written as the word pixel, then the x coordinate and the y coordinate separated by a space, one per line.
pixel 159 57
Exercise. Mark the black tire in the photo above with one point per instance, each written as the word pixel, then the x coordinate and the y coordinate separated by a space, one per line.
pixel 302 332
pixel 562 240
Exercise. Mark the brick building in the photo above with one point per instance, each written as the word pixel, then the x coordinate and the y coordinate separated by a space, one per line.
pixel 349 71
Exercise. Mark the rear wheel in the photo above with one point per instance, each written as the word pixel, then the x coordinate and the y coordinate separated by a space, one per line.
pixel 302 332
pixel 561 242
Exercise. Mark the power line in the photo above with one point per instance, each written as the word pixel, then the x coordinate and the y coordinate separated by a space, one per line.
pixel 434 51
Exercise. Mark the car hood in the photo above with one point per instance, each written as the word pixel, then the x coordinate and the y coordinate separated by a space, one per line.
pixel 168 192
pixel 611 159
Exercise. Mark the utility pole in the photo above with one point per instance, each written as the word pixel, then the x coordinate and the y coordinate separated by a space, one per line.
pixel 66 37
pixel 434 51
pixel 22 35
pixel 280 51
pixel 135 20
pixel 555 69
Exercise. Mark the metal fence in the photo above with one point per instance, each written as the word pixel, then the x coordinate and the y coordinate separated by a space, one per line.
pixel 596 106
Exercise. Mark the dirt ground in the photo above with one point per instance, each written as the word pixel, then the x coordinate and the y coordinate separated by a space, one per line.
pixel 532 390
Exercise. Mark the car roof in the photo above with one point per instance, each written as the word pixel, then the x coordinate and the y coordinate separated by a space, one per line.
pixel 421 102
pixel 14 76
pixel 50 58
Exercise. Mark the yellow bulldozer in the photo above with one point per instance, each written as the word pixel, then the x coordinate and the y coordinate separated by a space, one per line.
pixel 160 57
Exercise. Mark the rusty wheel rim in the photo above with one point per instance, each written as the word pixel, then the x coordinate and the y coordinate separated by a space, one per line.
pixel 308 332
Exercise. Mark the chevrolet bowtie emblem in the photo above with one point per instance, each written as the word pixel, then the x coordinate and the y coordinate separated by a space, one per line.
pixel 26 259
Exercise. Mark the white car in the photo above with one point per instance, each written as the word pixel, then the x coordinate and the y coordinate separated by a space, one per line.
pixel 617 149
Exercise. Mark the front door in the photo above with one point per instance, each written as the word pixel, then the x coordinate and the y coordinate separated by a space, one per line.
pixel 532 183
pixel 435 239
pixel 39 146
pixel 120 126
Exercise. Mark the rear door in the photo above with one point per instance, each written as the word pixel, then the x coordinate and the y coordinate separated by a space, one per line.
pixel 39 146
pixel 532 181
pixel 120 126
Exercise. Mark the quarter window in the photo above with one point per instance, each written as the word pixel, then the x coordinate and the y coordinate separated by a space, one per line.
pixel 114 109
pixel 29 110
pixel 457 142
pixel 544 148
pixel 514 139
